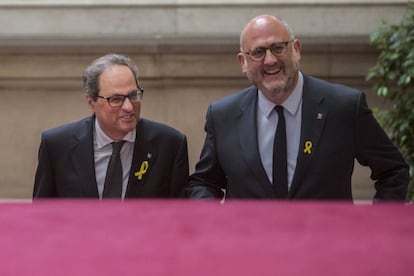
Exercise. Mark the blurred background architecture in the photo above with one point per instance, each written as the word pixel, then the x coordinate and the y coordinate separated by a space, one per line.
pixel 186 52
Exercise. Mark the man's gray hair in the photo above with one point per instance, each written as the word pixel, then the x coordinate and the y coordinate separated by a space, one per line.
pixel 92 73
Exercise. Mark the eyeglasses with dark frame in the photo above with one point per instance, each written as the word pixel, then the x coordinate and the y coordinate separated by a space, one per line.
pixel 277 49
pixel 118 100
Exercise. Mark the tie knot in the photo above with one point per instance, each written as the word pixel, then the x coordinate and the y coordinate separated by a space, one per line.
pixel 116 146
pixel 279 110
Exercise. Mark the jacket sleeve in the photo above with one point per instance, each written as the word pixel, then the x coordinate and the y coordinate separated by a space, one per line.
pixel 180 170
pixel 44 185
pixel 374 149
pixel 208 181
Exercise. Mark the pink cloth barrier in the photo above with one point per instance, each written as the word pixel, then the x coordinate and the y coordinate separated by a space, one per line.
pixel 252 238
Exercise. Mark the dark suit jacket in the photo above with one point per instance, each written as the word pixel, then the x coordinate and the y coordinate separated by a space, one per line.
pixel 346 130
pixel 66 165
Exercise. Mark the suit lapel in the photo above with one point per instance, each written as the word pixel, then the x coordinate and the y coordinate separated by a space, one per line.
pixel 314 114
pixel 246 125
pixel 82 158
pixel 144 156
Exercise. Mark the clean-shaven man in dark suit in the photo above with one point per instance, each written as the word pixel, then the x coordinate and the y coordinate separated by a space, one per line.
pixel 73 158
pixel 327 127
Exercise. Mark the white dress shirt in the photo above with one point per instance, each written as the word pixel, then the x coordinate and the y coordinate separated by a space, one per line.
pixel 103 151
pixel 267 120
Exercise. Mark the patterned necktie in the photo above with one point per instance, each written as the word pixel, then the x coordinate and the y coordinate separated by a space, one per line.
pixel 280 182
pixel 113 179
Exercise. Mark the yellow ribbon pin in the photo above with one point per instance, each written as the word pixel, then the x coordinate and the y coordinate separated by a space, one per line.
pixel 142 170
pixel 308 147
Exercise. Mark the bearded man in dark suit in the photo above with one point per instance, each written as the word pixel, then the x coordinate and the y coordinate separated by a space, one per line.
pixel 324 127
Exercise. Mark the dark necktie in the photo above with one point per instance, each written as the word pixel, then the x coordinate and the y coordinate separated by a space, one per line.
pixel 113 179
pixel 280 182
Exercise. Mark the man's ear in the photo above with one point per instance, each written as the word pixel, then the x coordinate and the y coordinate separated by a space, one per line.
pixel 90 102
pixel 297 48
pixel 242 60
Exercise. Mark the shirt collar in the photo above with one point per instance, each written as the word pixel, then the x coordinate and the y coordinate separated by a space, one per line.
pixel 291 104
pixel 103 140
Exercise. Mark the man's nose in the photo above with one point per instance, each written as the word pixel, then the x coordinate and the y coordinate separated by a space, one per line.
pixel 269 57
pixel 127 104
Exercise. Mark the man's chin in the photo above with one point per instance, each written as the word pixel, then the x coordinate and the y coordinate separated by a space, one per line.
pixel 127 126
pixel 273 86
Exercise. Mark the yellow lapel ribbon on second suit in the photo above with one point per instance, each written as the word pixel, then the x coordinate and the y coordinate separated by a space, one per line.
pixel 142 170
pixel 308 147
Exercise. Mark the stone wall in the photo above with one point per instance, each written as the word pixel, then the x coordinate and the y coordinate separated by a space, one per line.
pixel 186 53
